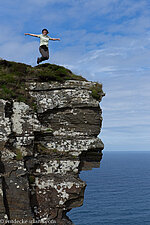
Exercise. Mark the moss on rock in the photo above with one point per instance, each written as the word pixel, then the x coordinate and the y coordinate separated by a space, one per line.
pixel 19 155
pixel 31 179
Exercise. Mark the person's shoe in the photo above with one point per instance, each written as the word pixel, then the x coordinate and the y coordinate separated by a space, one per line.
pixel 38 60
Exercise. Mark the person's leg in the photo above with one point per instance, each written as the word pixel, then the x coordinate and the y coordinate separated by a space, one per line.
pixel 44 53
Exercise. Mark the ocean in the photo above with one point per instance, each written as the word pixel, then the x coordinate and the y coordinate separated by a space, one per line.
pixel 118 192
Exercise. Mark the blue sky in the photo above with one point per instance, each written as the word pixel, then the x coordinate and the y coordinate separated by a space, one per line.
pixel 103 40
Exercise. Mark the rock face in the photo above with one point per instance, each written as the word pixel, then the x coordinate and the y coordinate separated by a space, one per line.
pixel 43 150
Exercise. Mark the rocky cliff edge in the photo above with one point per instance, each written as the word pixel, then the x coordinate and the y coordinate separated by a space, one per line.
pixel 50 120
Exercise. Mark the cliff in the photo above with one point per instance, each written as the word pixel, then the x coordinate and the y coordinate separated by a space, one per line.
pixel 49 122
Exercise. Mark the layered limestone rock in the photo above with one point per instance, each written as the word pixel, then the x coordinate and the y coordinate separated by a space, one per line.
pixel 43 150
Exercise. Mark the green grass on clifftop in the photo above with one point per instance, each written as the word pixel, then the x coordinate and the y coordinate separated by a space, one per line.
pixel 14 76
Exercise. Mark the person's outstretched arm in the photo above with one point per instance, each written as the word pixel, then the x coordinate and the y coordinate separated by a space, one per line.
pixel 54 39
pixel 34 35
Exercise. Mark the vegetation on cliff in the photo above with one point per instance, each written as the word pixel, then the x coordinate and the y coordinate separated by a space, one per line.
pixel 14 76
pixel 96 91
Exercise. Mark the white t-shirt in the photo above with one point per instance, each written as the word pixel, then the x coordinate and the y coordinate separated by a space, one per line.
pixel 44 39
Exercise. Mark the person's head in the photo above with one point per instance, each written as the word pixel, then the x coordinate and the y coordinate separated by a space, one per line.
pixel 45 32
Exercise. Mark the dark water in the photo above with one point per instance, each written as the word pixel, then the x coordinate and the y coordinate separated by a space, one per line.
pixel 118 192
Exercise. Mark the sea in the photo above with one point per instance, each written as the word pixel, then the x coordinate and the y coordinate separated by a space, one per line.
pixel 118 192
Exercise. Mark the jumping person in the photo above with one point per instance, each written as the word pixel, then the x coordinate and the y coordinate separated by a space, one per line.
pixel 44 39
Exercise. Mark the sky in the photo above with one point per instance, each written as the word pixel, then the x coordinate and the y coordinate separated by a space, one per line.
pixel 103 40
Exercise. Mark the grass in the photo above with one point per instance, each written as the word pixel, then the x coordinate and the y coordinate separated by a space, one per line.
pixel 97 92
pixel 14 76
pixel 12 81
pixel 51 72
